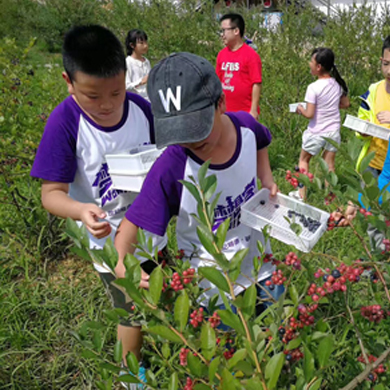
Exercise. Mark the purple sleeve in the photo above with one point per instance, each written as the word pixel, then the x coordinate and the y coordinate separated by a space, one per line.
pixel 56 155
pixel 262 134
pixel 146 108
pixel 159 199
pixel 311 96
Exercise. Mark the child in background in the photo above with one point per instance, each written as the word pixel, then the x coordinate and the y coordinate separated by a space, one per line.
pixel 323 98
pixel 98 118
pixel 189 112
pixel 375 108
pixel 138 67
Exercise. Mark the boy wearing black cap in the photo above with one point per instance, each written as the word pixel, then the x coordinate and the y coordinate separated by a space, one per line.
pixel 189 117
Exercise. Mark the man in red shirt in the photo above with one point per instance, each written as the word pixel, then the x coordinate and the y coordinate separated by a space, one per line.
pixel 238 67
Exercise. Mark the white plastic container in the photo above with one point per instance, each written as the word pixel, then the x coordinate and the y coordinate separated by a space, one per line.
pixel 366 127
pixel 128 182
pixel 128 169
pixel 293 107
pixel 260 211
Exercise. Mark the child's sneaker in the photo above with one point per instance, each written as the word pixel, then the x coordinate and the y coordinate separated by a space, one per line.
pixel 134 386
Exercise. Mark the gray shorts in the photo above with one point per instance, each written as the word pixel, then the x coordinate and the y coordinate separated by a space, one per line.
pixel 314 143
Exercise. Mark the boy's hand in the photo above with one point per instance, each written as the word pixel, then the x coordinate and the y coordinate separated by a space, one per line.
pixel 273 189
pixel 90 218
pixel 383 117
pixel 344 219
pixel 299 109
pixel 120 271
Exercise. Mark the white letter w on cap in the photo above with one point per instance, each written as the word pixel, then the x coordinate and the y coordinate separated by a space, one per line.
pixel 176 100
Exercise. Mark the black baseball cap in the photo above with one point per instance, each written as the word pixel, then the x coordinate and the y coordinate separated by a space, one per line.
pixel 183 89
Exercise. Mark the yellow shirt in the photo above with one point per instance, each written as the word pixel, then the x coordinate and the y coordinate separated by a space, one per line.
pixel 379 146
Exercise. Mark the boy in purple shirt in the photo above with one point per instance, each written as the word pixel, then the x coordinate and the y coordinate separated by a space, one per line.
pixel 189 114
pixel 98 118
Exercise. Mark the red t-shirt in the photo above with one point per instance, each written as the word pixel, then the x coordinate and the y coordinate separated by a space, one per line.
pixel 238 71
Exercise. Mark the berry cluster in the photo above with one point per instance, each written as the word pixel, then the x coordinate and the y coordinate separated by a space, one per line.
pixel 294 355
pixel 331 223
pixel 329 198
pixel 277 278
pixel 180 254
pixel 292 259
pixel 379 370
pixel 214 320
pixel 334 280
pixel 196 317
pixel 309 223
pixel 229 353
pixel 189 384
pixel 373 313
pixel 364 212
pixel 290 331
pixel 292 178
pixel 183 356
pixel 178 281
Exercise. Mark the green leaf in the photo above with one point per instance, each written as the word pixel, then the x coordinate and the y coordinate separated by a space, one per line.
pixel 296 228
pixel 206 238
pixel 235 264
pixel 201 386
pixel 213 368
pixel 127 378
pixel 110 367
pixel 273 369
pixel 366 162
pixel 294 343
pixel 315 386
pixel 202 173
pixel 353 146
pixel 87 354
pixel 332 178
pixel 324 351
pixel 308 363
pixel 166 351
pixel 84 254
pixel 210 185
pixel 232 320
pixel 324 166
pixel 250 296
pixel 182 307
pixel 173 382
pixel 208 341
pixel 194 365
pixel 221 233
pixel 156 284
pixel 246 367
pixel 165 333
pixel 132 363
pixel 293 294
pixel 228 381
pixel 238 356
pixel 110 254
pixel 118 351
pixel 215 276
pixel 192 190
pixel 372 192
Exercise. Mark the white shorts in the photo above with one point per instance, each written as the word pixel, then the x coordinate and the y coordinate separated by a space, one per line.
pixel 313 143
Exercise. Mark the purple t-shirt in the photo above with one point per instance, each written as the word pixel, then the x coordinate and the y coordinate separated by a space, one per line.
pixel 325 94
pixel 163 196
pixel 73 149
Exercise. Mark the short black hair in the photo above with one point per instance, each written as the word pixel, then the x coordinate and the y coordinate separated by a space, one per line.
pixel 133 36
pixel 93 50
pixel 237 21
pixel 386 45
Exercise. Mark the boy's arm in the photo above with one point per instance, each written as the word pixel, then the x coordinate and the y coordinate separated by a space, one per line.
pixel 256 91
pixel 125 239
pixel 55 199
pixel 264 171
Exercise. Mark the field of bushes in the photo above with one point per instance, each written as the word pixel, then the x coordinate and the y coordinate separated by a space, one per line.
pixel 47 293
